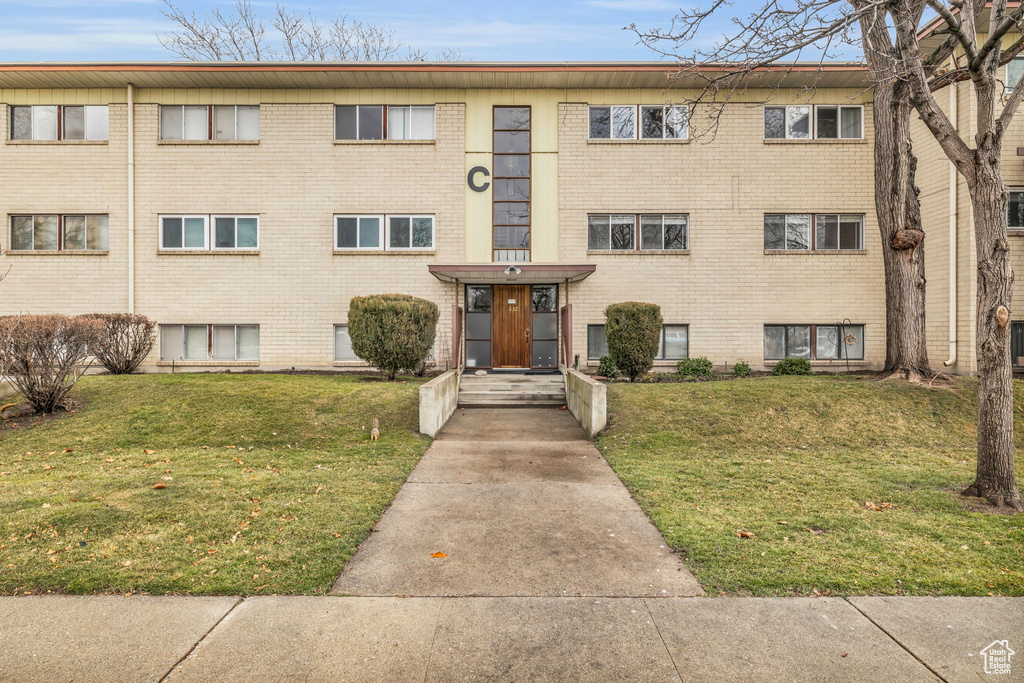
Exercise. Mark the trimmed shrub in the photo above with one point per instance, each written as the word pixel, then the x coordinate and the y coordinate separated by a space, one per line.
pixel 606 368
pixel 694 367
pixel 792 366
pixel 741 369
pixel 633 331
pixel 126 341
pixel 44 354
pixel 393 332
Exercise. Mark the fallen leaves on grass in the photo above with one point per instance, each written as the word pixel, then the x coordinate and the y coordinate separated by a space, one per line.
pixel 744 534
pixel 438 555
pixel 877 508
pixel 159 485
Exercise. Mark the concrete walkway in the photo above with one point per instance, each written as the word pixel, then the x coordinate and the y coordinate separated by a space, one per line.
pixel 521 503
pixel 558 576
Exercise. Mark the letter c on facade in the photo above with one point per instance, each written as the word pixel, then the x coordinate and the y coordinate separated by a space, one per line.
pixel 472 184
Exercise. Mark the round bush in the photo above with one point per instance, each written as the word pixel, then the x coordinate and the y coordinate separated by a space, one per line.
pixel 393 332
pixel 633 331
pixel 792 366
pixel 741 369
pixel 606 368
pixel 695 367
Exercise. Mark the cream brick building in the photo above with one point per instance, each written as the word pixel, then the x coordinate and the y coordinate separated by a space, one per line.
pixel 352 179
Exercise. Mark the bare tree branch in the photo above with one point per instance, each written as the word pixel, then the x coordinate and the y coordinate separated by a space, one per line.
pixel 241 34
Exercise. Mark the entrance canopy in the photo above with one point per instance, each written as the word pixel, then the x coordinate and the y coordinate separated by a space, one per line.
pixel 503 273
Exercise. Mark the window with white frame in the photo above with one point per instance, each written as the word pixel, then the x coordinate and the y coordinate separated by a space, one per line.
pixel 208 231
pixel 814 342
pixel 804 122
pixel 674 343
pixel 59 122
pixel 1014 71
pixel 627 232
pixel 210 342
pixel 59 232
pixel 393 232
pixel 647 122
pixel 209 122
pixel 1015 209
pixel 383 122
pixel 830 232
pixel 343 345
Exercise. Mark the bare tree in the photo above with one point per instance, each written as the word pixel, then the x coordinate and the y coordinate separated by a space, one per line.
pixel 904 75
pixel 241 34
pixel 124 341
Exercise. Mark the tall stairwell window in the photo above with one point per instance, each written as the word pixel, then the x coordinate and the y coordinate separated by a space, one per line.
pixel 511 184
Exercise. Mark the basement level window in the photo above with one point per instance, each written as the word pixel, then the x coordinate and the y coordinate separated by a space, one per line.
pixel 343 345
pixel 210 342
pixel 814 342
pixel 59 122
pixel 673 345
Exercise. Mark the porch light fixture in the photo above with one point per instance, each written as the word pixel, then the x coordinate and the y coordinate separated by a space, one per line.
pixel 512 272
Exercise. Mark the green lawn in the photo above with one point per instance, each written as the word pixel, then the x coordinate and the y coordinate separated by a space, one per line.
pixel 271 483
pixel 793 460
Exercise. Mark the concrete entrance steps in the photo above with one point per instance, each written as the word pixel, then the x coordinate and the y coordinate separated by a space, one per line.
pixel 508 390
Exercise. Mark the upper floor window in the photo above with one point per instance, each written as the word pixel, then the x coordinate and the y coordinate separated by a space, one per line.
pixel 1014 70
pixel 383 122
pixel 210 342
pixel 1015 209
pixel 624 232
pixel 620 122
pixel 59 122
pixel 793 232
pixel 209 122
pixel 193 232
pixel 829 122
pixel 377 232
pixel 814 342
pixel 56 232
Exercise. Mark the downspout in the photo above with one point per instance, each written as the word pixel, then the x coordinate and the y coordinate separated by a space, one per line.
pixel 131 198
pixel 953 106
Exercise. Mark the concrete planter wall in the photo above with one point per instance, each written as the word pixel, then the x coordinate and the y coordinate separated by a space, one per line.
pixel 587 400
pixel 438 400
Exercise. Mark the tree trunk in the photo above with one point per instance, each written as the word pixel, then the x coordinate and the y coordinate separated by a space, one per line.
pixel 899 221
pixel 996 480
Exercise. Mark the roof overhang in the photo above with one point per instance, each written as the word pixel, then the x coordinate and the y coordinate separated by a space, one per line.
pixel 457 75
pixel 520 273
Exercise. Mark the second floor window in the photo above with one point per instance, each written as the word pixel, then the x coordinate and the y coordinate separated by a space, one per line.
pixel 1015 209
pixel 620 122
pixel 626 232
pixel 804 122
pixel 192 232
pixel 403 232
pixel 56 232
pixel 209 122
pixel 383 122
pixel 59 122
pixel 822 232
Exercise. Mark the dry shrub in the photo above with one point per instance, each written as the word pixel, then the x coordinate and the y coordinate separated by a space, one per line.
pixel 126 340
pixel 44 355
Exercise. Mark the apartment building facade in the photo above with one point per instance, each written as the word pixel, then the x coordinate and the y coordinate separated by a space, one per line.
pixel 242 206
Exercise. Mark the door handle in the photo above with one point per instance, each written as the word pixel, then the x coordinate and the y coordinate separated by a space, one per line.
pixel 527 333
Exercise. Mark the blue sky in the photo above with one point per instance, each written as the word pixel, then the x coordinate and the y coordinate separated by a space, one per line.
pixel 109 30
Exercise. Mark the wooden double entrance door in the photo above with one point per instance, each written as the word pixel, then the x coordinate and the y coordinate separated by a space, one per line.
pixel 511 326
pixel 510 345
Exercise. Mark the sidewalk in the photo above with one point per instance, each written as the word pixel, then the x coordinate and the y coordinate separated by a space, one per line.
pixel 551 572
